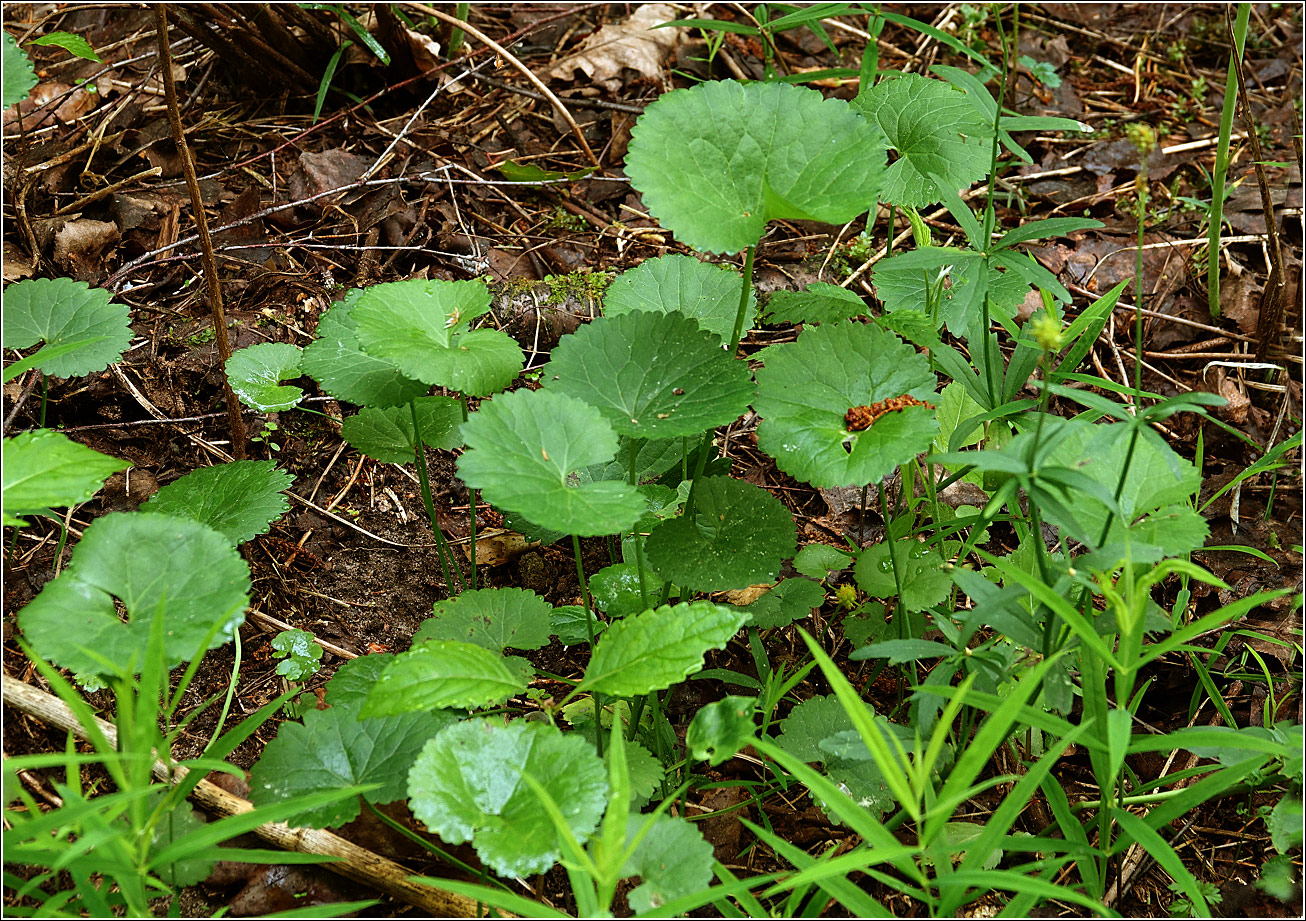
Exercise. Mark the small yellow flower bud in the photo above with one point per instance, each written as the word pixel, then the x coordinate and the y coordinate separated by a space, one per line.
pixel 1047 333
pixel 846 597
pixel 1141 136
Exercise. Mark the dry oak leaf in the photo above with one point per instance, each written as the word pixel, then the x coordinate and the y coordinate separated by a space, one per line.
pixel 634 44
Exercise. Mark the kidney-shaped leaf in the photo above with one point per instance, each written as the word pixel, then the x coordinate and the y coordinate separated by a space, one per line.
pixel 441 674
pixel 239 499
pixel 492 618
pixel 467 786
pixel 186 570
pixel 256 373
pixel 739 535
pixel 680 387
pixel 521 448
pixel 656 649
pixel 331 749
pixel 707 293
pixel 809 387
pixel 386 432
pixel 935 129
pixel 44 469
pixel 422 327
pixel 83 330
pixel 717 161
pixel 337 362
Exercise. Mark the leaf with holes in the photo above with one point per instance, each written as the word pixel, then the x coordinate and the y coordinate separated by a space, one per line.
pixel 386 433
pixel 466 785
pixel 337 362
pixel 45 469
pixel 808 388
pixel 739 536
pixel 818 303
pixel 182 569
pixel 84 331
pixel 422 327
pixel 702 291
pixel 935 129
pixel 492 618
pixel 684 385
pixel 717 161
pixel 239 499
pixel 658 648
pixel 522 448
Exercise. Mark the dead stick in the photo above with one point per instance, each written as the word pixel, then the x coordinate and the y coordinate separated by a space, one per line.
pixel 526 71
pixel 202 225
pixel 356 863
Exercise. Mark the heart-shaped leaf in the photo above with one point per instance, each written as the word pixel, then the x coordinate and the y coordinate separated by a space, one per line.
pixel 935 129
pixel 183 570
pixel 422 327
pixel 708 293
pixel 788 601
pixel 45 469
pixel 256 373
pixel 656 649
pixel 683 386
pixel 739 536
pixel 616 589
pixel 84 331
pixel 386 433
pixel 239 499
pixel 717 161
pixel 467 785
pixel 493 618
pixel 522 448
pixel 337 362
pixel 809 388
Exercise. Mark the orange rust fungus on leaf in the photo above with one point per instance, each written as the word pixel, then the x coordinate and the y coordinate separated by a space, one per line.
pixel 861 417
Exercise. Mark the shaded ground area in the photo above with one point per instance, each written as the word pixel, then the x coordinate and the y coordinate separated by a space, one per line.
pixel 399 178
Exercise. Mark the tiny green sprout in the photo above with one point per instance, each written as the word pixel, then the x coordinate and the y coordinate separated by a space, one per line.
pixel 1047 332
pixel 302 655
pixel 846 596
pixel 1142 137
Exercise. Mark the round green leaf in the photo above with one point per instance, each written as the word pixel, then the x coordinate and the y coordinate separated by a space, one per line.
pixel 658 648
pixel 672 860
pixel 717 161
pixel 523 446
pixel 492 618
pixel 739 536
pixel 707 293
pixel 920 568
pixel 239 499
pixel 467 785
pixel 386 433
pixel 44 469
pixel 89 330
pixel 255 374
pixel 184 570
pixel 616 589
pixel 19 77
pixel 819 560
pixel 788 601
pixel 935 129
pixel 337 362
pixel 422 327
pixel 683 386
pixel 722 728
pixel 440 674
pixel 808 386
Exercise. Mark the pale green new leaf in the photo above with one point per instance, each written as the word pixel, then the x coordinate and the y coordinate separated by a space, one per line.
pixel 333 748
pixel 441 674
pixel 239 499
pixel 808 386
pixel 656 649
pixel 522 448
pixel 337 362
pixel 717 161
pixel 151 563
pixel 671 860
pixel 255 374
pixel 492 618
pixel 386 432
pixel 466 785
pixel 935 129
pixel 45 469
pixel 738 536
pixel 62 312
pixel 700 290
